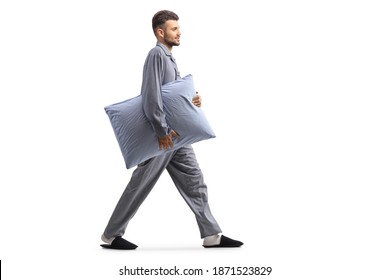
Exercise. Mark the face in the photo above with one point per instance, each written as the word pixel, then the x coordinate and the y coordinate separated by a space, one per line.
pixel 171 33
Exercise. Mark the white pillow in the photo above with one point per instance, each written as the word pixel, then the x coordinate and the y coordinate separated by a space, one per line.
pixel 137 140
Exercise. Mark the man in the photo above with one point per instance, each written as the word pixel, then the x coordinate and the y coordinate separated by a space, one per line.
pixel 160 68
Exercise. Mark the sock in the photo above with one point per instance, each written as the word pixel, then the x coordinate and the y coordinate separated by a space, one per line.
pixel 107 240
pixel 212 240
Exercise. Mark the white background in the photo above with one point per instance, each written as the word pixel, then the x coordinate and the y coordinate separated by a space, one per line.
pixel 296 91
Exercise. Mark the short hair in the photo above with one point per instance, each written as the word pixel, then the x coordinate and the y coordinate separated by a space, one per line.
pixel 161 17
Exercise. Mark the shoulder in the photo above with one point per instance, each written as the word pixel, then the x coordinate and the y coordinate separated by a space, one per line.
pixel 156 52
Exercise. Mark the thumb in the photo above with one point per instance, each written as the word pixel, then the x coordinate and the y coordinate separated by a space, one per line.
pixel 175 134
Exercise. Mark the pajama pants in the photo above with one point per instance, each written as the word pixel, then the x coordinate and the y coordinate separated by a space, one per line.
pixel 184 170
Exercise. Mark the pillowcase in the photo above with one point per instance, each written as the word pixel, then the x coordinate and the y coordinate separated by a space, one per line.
pixel 136 138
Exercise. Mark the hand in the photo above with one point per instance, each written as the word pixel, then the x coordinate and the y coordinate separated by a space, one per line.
pixel 197 100
pixel 166 141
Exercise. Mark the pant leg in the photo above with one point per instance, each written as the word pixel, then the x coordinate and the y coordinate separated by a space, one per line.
pixel 142 181
pixel 188 178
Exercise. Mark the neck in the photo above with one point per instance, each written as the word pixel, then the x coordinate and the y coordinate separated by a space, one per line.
pixel 169 47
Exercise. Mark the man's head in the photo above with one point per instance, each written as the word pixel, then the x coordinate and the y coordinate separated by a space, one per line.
pixel 166 28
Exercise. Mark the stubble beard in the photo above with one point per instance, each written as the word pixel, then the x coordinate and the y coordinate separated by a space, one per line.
pixel 170 42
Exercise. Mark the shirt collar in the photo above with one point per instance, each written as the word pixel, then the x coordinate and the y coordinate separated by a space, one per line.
pixel 166 51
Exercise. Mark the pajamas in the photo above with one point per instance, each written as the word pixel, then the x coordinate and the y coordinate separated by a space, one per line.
pixel 185 173
pixel 160 68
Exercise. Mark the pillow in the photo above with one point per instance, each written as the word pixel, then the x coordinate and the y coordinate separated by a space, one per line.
pixel 136 138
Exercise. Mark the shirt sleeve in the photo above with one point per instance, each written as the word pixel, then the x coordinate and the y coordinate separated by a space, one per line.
pixel 151 91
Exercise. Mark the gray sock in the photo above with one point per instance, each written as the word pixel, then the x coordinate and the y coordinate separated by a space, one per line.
pixel 212 240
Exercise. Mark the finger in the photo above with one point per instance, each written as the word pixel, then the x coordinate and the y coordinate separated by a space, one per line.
pixel 175 134
pixel 166 146
pixel 197 100
pixel 163 143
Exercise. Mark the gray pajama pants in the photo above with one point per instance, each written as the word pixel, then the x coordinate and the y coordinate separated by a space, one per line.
pixel 183 168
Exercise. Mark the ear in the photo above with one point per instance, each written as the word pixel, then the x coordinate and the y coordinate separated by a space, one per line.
pixel 160 32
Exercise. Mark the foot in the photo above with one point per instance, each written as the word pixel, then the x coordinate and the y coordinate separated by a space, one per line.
pixel 225 242
pixel 119 243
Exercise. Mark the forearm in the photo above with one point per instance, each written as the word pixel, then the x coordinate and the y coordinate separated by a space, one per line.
pixel 153 109
pixel 152 103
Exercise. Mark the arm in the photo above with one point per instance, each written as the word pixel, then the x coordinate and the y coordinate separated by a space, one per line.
pixel 152 103
pixel 152 94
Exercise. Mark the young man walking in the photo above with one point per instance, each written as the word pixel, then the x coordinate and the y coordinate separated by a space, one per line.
pixel 160 68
